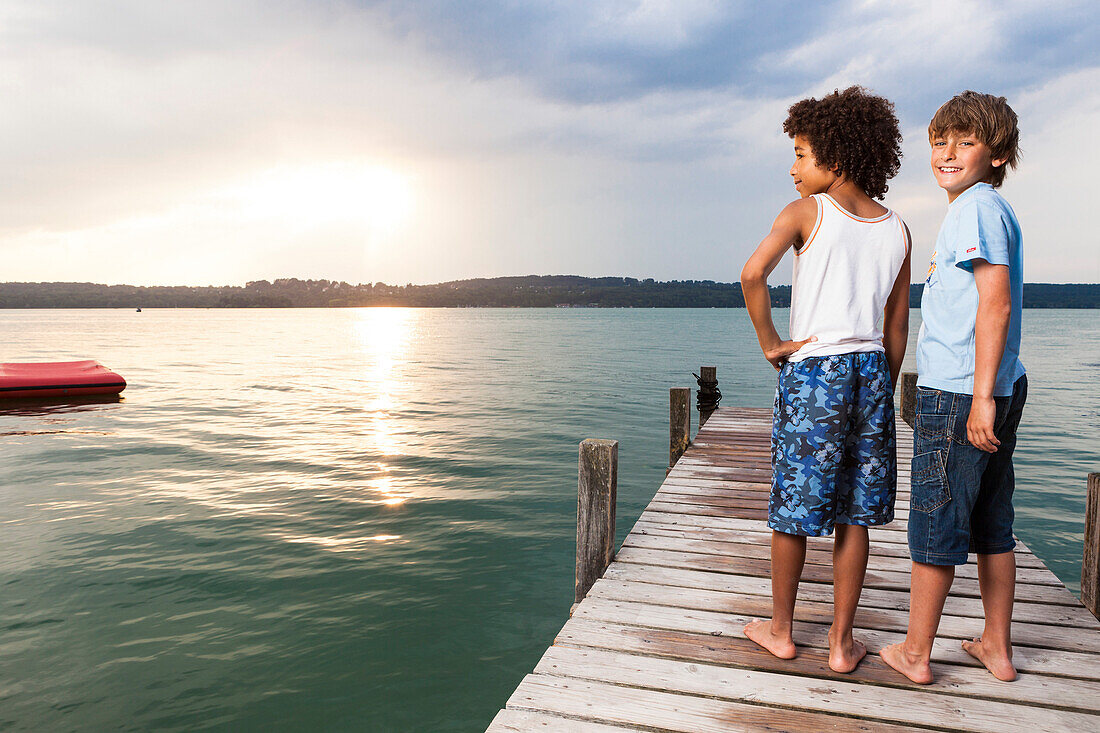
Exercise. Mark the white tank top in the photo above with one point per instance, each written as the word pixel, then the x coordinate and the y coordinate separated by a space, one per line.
pixel 843 275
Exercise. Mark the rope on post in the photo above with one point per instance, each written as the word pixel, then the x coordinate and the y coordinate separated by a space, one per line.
pixel 709 395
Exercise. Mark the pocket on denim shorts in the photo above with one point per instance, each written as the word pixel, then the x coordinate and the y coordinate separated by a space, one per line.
pixel 931 423
pixel 930 490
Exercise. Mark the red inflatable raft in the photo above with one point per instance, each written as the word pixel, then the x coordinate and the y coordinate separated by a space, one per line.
pixel 58 379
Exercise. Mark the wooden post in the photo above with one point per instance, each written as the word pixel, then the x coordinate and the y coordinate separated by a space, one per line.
pixel 1090 565
pixel 709 395
pixel 597 477
pixel 908 386
pixel 679 423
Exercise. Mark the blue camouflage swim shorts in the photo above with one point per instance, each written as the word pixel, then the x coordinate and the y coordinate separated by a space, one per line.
pixel 834 453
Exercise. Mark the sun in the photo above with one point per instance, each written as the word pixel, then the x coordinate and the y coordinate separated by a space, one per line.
pixel 366 195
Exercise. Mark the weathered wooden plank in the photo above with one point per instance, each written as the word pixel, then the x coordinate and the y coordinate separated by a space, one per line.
pixel 749 499
pixel 818 553
pixel 957 627
pixel 732 506
pixel 672 712
pixel 699 499
pixel 813 661
pixel 729 443
pixel 695 467
pixel 689 514
pixel 659 509
pixel 712 487
pixel 1036 613
pixel 1028 660
pixel 758 450
pixel 890 705
pixel 886 538
pixel 757 492
pixel 754 427
pixel 681 472
pixel 524 721
pixel 696 461
pixel 747 543
pixel 733 529
pixel 892 580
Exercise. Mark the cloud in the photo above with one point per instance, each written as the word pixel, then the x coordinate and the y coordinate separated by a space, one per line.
pixel 591 52
pixel 638 138
pixel 1052 189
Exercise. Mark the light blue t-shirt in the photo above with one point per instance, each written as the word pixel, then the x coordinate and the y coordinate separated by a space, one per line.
pixel 979 225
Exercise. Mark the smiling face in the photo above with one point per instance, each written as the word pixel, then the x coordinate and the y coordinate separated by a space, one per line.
pixel 959 160
pixel 809 177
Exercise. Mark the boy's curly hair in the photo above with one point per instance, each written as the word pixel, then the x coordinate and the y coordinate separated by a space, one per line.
pixel 986 117
pixel 855 131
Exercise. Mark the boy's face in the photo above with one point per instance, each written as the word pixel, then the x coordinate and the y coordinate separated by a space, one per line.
pixel 809 177
pixel 959 160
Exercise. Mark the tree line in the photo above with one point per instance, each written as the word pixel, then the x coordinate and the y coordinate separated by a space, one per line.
pixel 533 291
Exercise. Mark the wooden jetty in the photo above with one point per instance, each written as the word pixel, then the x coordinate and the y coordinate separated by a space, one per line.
pixel 656 644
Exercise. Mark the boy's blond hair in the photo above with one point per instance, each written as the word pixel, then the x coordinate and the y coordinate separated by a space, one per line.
pixel 987 118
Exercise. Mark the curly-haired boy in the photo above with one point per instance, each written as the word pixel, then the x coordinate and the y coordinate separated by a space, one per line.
pixel 971 387
pixel 833 446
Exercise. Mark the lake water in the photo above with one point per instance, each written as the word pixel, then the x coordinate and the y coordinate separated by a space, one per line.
pixel 365 519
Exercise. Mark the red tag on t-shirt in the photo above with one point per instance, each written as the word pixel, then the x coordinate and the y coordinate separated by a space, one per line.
pixel 972 249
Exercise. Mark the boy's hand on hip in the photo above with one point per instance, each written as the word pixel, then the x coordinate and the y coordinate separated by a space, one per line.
pixel 979 426
pixel 777 355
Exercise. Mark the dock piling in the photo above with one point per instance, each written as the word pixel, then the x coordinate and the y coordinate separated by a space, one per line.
pixel 1090 564
pixel 709 395
pixel 597 479
pixel 679 423
pixel 908 387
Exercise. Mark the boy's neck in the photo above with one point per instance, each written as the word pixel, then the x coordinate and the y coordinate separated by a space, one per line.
pixel 952 195
pixel 853 198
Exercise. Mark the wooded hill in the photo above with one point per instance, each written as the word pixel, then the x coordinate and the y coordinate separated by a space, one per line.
pixel 533 291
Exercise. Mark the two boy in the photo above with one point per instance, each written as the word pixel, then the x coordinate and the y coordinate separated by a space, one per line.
pixel 833 432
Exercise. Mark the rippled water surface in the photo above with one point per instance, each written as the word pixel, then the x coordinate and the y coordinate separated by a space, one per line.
pixel 364 519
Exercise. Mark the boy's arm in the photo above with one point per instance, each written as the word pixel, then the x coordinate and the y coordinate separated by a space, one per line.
pixel 895 327
pixel 990 334
pixel 786 230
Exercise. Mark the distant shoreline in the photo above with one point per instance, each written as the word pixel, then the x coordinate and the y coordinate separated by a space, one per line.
pixel 533 291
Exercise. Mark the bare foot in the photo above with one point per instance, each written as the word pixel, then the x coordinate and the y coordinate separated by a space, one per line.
pixel 845 656
pixel 781 645
pixel 996 661
pixel 914 668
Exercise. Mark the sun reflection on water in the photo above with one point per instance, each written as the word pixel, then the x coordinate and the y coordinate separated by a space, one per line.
pixel 343 544
pixel 309 455
pixel 383 336
pixel 384 486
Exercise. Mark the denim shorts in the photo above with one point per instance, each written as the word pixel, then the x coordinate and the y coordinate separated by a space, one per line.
pixel 834 453
pixel 961 498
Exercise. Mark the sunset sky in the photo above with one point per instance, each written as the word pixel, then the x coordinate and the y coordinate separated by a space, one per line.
pixel 217 142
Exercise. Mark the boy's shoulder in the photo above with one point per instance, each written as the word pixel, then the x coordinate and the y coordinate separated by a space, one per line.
pixel 800 213
pixel 982 203
pixel 802 207
pixel 984 196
